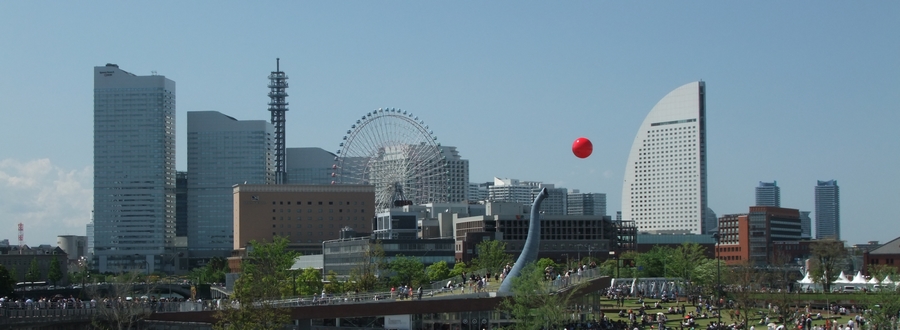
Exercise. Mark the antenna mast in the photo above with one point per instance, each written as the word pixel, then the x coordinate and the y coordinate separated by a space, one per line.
pixel 278 107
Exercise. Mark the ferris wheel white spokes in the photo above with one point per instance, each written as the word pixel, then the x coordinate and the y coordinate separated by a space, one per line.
pixel 398 154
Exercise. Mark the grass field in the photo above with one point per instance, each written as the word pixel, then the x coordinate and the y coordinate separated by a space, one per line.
pixel 702 323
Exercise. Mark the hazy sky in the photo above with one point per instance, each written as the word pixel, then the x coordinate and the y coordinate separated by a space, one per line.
pixel 798 91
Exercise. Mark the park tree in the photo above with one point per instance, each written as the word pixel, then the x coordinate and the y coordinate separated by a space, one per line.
pixel 407 271
pixel 884 305
pixel 365 274
pixel 685 259
pixel 119 314
pixel 532 305
pixel 335 285
pixel 214 271
pixel 309 282
pixel 655 263
pixel 827 256
pixel 7 282
pixel 491 256
pixel 438 271
pixel 743 282
pixel 458 269
pixel 544 263
pixel 879 272
pixel 54 274
pixel 34 271
pixel 265 277
pixel 707 274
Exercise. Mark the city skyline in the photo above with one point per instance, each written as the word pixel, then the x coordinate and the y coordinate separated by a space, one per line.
pixel 510 86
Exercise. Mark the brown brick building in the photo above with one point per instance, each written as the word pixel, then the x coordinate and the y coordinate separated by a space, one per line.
pixel 734 233
pixel 765 236
pixel 306 215
pixel 888 254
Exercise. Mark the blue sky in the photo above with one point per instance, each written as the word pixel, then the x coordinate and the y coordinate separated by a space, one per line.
pixel 797 91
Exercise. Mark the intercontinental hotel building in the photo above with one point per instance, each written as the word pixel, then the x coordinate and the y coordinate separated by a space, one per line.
pixel 665 179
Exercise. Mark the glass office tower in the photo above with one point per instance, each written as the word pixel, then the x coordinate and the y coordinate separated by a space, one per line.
pixel 222 152
pixel 134 169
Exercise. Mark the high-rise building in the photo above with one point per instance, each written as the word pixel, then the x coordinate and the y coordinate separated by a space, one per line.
pixel 828 210
pixel 89 232
pixel 768 194
pixel 557 199
pixel 479 191
pixel 664 189
pixel 222 152
pixel 805 225
pixel 309 166
pixel 181 204
pixel 579 203
pixel 523 192
pixel 711 225
pixel 134 169
pixel 510 190
pixel 458 170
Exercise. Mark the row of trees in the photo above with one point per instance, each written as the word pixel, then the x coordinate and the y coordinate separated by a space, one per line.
pixel 32 274
pixel 266 277
pixel 8 278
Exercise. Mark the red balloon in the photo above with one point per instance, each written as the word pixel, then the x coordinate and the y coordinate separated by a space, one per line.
pixel 582 147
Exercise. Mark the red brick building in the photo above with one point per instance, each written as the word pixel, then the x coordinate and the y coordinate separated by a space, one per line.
pixel 766 235
pixel 888 254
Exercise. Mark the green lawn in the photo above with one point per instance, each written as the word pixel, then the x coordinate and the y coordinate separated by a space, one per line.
pixel 675 319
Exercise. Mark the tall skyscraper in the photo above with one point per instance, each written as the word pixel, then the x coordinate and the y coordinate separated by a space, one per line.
pixel 665 178
pixel 89 229
pixel 181 204
pixel 828 210
pixel 458 170
pixel 712 222
pixel 768 194
pixel 805 225
pixel 309 165
pixel 278 107
pixel 222 152
pixel 586 203
pixel 134 169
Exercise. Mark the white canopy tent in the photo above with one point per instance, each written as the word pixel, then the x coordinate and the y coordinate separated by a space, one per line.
pixel 859 279
pixel 841 279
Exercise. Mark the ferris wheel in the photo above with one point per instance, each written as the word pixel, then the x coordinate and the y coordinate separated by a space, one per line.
pixel 398 154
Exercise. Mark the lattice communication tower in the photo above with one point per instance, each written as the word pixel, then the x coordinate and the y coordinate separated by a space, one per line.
pixel 278 106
